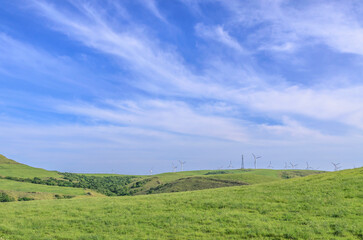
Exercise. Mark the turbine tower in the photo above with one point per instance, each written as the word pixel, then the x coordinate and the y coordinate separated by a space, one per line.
pixel 182 165
pixel 255 159
pixel 242 163
pixel 230 164
pixel 174 167
pixel 286 166
pixel 270 165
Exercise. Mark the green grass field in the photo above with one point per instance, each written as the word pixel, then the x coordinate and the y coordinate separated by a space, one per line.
pixel 15 187
pixel 244 204
pixel 323 206
pixel 256 176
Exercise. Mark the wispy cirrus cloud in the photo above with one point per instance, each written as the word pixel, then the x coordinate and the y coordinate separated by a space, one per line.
pixel 220 82
pixel 286 26
pixel 217 33
pixel 133 46
pixel 165 116
pixel 164 68
pixel 340 105
pixel 152 6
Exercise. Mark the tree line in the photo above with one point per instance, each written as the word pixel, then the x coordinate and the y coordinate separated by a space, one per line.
pixel 107 185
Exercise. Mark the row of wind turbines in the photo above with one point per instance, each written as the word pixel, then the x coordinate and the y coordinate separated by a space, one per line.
pixel 290 165
pixel 255 158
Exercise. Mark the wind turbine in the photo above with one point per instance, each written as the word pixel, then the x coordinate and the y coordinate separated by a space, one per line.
pixel 286 166
pixel 255 158
pixel 307 166
pixel 182 165
pixel 242 163
pixel 174 167
pixel 151 172
pixel 230 164
pixel 293 165
pixel 336 167
pixel 269 165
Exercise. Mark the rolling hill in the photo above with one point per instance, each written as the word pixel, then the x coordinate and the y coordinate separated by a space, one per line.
pixel 323 206
pixel 12 168
pixel 21 180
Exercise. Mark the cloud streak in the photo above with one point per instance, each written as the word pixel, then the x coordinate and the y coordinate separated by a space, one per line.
pixel 333 23
pixel 164 68
pixel 217 33
pixel 236 78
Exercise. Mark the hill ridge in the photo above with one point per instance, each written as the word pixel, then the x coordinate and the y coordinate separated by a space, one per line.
pixel 5 160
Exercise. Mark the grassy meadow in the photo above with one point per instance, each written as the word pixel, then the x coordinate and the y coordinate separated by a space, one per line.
pixel 38 191
pixel 205 204
pixel 323 206
pixel 18 189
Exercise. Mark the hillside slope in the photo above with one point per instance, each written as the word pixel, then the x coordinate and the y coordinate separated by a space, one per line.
pixel 12 168
pixel 5 160
pixel 117 185
pixel 324 206
pixel 205 179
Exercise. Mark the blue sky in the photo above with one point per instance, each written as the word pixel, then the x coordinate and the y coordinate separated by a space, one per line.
pixel 129 86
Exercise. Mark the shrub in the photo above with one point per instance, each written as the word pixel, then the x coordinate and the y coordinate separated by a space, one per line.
pixel 217 172
pixel 6 198
pixel 57 196
pixel 68 196
pixel 25 199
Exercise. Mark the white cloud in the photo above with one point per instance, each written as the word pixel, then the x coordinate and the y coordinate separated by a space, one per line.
pixel 208 104
pixel 156 65
pixel 340 105
pixel 284 47
pixel 153 8
pixel 165 116
pixel 291 129
pixel 217 33
pixel 164 72
pixel 290 23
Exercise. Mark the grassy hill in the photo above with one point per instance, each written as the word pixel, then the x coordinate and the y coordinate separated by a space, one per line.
pixel 323 206
pixel 5 160
pixel 19 189
pixel 192 184
pixel 23 180
pixel 12 168
pixel 167 182
pixel 205 179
